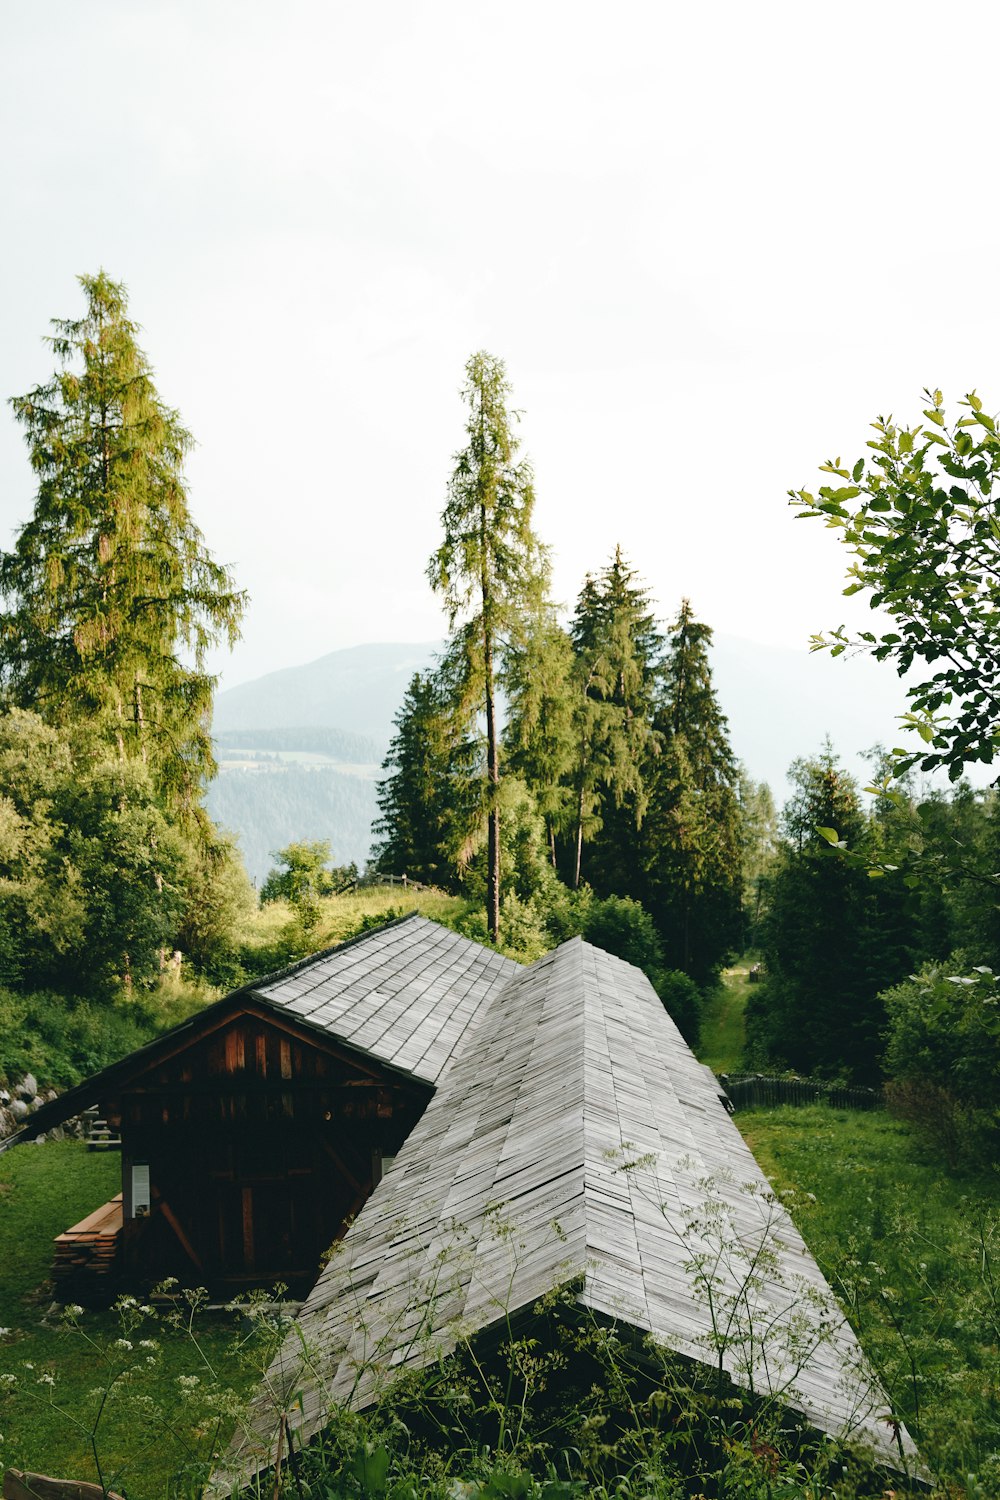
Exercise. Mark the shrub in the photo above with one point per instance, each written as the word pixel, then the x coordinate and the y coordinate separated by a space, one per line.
pixel 625 928
pixel 682 1000
pixel 943 1058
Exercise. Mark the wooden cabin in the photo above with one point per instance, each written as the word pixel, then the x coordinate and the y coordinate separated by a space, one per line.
pixel 248 1147
pixel 254 1133
pixel 575 1145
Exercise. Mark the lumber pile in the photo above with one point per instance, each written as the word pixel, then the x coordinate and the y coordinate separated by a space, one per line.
pixel 88 1252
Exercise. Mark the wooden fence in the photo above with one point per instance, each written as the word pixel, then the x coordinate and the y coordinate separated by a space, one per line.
pixel 375 877
pixel 755 1090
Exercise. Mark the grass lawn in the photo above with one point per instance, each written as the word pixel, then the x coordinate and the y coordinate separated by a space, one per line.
pixel 150 1428
pixel 722 1029
pixel 913 1253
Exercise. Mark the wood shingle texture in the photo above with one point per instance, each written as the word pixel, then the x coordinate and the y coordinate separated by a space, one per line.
pixel 405 994
pixel 574 1140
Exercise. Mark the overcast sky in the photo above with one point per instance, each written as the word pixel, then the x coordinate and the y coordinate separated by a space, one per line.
pixel 711 242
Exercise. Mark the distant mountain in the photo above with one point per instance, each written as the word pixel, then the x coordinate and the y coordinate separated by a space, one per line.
pixel 268 808
pixel 357 690
pixel 337 745
pixel 782 703
pixel 300 749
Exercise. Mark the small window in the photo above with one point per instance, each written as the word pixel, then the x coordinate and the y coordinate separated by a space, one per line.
pixel 140 1190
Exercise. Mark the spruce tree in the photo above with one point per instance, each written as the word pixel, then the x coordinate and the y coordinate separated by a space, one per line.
pixel 824 940
pixel 487 568
pixel 617 658
pixel 112 600
pixel 691 839
pixel 424 795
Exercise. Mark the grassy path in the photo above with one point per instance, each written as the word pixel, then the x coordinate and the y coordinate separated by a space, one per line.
pixel 722 1029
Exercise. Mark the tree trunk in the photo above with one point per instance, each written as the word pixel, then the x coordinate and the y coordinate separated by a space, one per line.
pixel 492 758
pixel 493 794
pixel 579 843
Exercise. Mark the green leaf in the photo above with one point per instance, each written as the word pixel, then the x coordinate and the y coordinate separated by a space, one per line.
pixel 830 834
pixel 370 1467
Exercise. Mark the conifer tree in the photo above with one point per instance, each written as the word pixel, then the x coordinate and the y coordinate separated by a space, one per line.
pixel 692 839
pixel 486 568
pixel 538 739
pixel 419 790
pixel 827 952
pixel 618 648
pixel 112 600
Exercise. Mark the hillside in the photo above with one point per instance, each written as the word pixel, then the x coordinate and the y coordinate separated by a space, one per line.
pixel 300 750
pixel 357 690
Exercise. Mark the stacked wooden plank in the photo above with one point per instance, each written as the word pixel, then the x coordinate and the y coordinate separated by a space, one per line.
pixel 88 1252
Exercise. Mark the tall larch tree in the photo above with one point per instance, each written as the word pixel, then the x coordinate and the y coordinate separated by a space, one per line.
pixel 111 598
pixel 487 567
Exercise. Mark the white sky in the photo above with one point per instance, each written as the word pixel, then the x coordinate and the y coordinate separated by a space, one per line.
pixel 710 242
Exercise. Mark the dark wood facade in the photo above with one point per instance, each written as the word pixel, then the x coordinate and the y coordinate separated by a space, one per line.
pixel 249 1146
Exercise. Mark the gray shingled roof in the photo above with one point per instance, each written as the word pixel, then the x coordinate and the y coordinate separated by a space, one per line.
pixel 575 1140
pixel 406 993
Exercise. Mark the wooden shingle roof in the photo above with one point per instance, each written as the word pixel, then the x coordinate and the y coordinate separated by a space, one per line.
pixel 574 1140
pixel 406 993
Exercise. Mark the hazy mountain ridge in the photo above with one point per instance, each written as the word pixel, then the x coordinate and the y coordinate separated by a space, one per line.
pixel 780 702
pixel 357 691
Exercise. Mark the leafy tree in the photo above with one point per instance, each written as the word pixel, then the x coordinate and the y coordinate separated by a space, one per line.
pixel 91 873
pixel 920 517
pixel 943 1057
pixel 487 566
pixel 302 880
pixel 617 651
pixel 217 906
pixel 131 866
pixel 112 599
